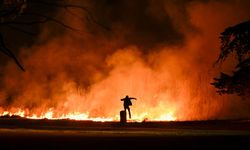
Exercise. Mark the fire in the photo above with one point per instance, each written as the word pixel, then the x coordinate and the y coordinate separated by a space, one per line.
pixel 84 76
pixel 169 117
pixel 50 114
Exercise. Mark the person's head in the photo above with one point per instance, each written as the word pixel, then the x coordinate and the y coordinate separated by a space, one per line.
pixel 126 96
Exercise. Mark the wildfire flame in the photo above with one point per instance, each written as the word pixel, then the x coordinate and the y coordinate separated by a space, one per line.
pixel 168 68
pixel 50 114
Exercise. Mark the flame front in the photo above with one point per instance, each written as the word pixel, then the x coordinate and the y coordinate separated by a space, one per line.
pixel 50 114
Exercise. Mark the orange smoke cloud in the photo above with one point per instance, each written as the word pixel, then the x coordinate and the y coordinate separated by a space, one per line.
pixel 89 74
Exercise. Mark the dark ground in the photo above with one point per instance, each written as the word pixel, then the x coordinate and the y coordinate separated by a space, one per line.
pixel 18 133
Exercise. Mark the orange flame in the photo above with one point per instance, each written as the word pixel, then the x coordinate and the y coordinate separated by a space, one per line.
pixel 50 114
pixel 83 77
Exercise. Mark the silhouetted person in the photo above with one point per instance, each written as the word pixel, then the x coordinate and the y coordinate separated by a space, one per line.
pixel 126 103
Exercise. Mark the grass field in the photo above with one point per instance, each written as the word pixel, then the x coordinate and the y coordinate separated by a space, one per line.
pixel 16 133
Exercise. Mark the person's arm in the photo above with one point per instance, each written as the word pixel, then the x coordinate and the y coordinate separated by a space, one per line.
pixel 133 98
pixel 122 99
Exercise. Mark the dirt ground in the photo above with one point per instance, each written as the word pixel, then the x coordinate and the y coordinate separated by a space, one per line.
pixel 16 133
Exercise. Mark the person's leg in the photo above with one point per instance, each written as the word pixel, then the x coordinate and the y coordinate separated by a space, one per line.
pixel 125 109
pixel 129 112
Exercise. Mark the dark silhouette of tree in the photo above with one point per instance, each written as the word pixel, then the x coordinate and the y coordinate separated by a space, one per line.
pixel 9 10
pixel 12 10
pixel 235 41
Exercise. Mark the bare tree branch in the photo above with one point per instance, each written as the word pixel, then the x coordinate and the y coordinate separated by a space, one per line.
pixel 43 19
pixel 10 10
pixel 21 30
pixel 9 53
pixel 90 17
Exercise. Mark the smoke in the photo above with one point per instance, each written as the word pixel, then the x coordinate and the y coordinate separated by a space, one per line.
pixel 161 52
